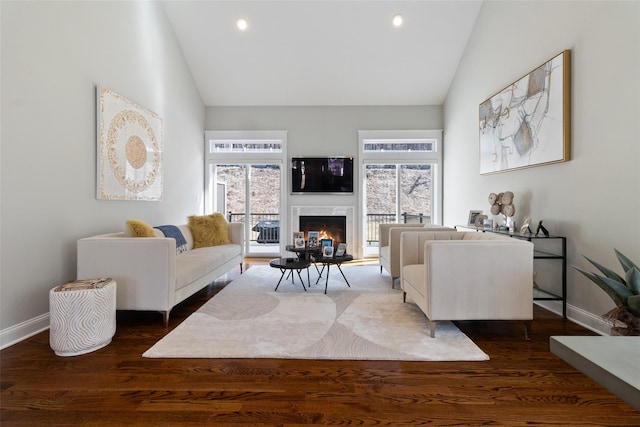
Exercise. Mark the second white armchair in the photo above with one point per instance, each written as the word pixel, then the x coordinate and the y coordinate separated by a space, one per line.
pixel 389 249
pixel 467 276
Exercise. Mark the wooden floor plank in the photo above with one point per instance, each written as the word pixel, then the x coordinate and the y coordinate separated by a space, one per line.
pixel 522 384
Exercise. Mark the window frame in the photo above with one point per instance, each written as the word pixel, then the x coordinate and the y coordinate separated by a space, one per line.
pixel 433 158
pixel 246 158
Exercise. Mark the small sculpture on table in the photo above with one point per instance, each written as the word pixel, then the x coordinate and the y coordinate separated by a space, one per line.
pixel 502 203
pixel 526 226
pixel 541 228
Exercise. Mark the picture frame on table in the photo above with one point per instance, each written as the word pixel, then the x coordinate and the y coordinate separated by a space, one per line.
pixel 473 214
pixel 326 242
pixel 327 251
pixel 341 250
pixel 313 239
pixel 298 239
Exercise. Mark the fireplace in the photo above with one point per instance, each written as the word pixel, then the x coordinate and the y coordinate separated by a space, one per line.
pixel 328 226
pixel 346 213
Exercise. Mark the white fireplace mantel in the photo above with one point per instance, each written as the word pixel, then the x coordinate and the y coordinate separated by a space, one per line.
pixel 346 211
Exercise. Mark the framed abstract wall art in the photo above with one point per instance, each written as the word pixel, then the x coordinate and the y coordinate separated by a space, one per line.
pixel 129 149
pixel 528 123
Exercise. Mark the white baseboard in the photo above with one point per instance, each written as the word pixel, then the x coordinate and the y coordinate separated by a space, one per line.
pixel 24 330
pixel 577 315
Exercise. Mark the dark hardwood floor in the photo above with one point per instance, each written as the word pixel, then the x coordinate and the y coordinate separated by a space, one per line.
pixel 522 384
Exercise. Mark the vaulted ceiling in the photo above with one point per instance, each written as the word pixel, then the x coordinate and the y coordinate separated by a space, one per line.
pixel 322 52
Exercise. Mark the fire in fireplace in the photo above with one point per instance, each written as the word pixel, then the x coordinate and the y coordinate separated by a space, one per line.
pixel 329 227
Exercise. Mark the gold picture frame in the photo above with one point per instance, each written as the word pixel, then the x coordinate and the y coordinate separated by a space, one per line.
pixel 528 123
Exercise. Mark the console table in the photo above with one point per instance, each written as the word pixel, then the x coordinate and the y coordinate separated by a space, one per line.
pixel 558 253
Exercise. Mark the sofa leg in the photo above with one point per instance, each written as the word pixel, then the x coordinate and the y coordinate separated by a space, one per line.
pixel 380 269
pixel 404 297
pixel 165 318
pixel 432 328
pixel 240 268
pixel 527 328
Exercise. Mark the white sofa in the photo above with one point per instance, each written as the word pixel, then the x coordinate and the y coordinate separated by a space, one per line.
pixel 389 248
pixel 454 275
pixel 149 273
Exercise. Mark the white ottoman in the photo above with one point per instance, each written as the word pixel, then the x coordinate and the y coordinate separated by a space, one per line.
pixel 82 316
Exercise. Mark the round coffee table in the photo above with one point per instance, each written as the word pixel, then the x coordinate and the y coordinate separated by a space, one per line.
pixel 306 253
pixel 335 260
pixel 291 264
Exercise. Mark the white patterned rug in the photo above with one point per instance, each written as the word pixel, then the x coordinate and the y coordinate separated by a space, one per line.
pixel 367 321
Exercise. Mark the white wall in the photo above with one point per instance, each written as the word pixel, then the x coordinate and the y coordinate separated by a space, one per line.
pixel 323 131
pixel 53 55
pixel 594 199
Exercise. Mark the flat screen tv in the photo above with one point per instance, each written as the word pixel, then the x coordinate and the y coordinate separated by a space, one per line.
pixel 322 175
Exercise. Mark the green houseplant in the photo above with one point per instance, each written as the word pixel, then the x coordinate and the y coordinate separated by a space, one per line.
pixel 624 291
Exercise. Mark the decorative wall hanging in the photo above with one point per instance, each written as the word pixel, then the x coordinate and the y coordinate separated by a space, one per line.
pixel 129 152
pixel 528 123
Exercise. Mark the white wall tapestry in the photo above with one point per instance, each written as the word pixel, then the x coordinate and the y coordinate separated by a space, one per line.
pixel 129 152
pixel 528 123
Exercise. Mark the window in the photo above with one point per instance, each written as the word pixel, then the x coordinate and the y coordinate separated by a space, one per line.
pixel 400 180
pixel 244 171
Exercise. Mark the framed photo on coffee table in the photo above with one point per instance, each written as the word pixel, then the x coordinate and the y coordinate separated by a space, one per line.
pixel 312 237
pixel 298 239
pixel 327 251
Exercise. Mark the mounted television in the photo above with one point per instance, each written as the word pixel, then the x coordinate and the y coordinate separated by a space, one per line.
pixel 322 175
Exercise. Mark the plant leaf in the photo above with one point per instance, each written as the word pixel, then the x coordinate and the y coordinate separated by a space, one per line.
pixel 616 290
pixel 634 304
pixel 607 272
pixel 625 262
pixel 633 280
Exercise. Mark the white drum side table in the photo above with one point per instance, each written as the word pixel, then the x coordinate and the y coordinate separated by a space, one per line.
pixel 82 316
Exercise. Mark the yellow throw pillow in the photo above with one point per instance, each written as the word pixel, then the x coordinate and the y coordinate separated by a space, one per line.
pixel 209 230
pixel 138 228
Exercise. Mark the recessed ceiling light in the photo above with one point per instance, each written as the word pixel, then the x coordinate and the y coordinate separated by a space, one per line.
pixel 242 24
pixel 398 20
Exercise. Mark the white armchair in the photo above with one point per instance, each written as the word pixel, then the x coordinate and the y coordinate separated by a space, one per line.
pixel 467 276
pixel 389 248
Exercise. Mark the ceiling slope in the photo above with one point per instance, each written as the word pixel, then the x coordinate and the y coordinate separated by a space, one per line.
pixel 304 52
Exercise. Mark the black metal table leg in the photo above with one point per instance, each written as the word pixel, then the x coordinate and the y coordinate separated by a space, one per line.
pixel 326 282
pixel 320 273
pixel 281 276
pixel 345 277
pixel 302 281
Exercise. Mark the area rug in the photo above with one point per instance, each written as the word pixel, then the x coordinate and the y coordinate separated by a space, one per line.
pixel 367 321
